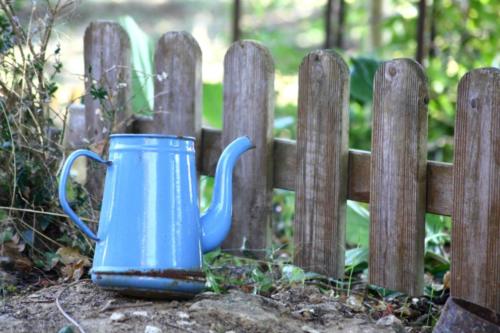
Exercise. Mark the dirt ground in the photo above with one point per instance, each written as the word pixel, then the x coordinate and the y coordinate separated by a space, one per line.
pixel 288 309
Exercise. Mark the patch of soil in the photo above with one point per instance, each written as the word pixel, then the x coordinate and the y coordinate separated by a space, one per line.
pixel 287 309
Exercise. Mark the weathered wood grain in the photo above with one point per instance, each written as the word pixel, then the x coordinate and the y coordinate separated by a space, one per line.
pixel 439 182
pixel 321 174
pixel 107 70
pixel 211 148
pixel 248 110
pixel 75 131
pixel 359 175
pixel 475 244
pixel 285 164
pixel 439 188
pixel 439 175
pixel 398 177
pixel 178 87
pixel 107 93
pixel 75 138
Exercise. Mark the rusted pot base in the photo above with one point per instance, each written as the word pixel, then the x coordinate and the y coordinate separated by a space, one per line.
pixel 158 284
pixel 152 294
pixel 460 316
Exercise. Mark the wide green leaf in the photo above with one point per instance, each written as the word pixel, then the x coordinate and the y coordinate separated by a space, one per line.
pixel 212 104
pixel 358 224
pixel 356 256
pixel 362 74
pixel 142 66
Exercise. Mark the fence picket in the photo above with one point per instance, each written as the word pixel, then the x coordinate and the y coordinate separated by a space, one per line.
pixel 248 110
pixel 475 244
pixel 439 175
pixel 178 86
pixel 107 91
pixel 322 156
pixel 398 177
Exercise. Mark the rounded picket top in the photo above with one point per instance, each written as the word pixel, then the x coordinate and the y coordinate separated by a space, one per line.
pixel 110 31
pixel 486 75
pixel 107 69
pixel 330 60
pixel 178 42
pixel 252 51
pixel 107 66
pixel 404 67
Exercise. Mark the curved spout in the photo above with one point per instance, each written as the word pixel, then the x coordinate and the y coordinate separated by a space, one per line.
pixel 216 222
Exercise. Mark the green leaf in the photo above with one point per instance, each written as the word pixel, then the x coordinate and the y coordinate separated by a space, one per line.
pixel 206 191
pixel 358 224
pixel 6 236
pixel 362 74
pixel 436 264
pixel 66 329
pixel 356 256
pixel 293 274
pixel 142 66
pixel 437 223
pixel 51 260
pixel 210 257
pixel 437 233
pixel 263 282
pixel 212 104
pixel 214 283
pixel 98 93
pixel 51 88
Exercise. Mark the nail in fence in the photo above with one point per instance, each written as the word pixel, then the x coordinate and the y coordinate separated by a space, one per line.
pixel 396 177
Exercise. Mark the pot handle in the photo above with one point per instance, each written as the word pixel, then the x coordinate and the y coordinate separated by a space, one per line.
pixel 62 188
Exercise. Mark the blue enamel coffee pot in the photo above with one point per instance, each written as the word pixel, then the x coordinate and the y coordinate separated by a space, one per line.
pixel 151 237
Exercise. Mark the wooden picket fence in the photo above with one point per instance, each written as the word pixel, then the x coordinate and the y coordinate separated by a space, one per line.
pixel 395 178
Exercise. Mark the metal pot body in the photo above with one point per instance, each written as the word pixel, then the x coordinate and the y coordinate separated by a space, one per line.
pixel 149 235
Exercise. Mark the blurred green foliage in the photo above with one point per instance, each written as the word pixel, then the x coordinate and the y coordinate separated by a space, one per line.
pixel 142 47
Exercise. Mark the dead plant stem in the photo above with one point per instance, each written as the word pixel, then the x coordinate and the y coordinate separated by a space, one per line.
pixel 40 233
pixel 44 213
pixel 13 150
pixel 64 313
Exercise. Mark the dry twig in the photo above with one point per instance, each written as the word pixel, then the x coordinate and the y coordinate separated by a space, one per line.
pixel 64 313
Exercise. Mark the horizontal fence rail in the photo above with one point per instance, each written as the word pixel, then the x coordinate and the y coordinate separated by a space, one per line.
pixel 439 174
pixel 397 180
